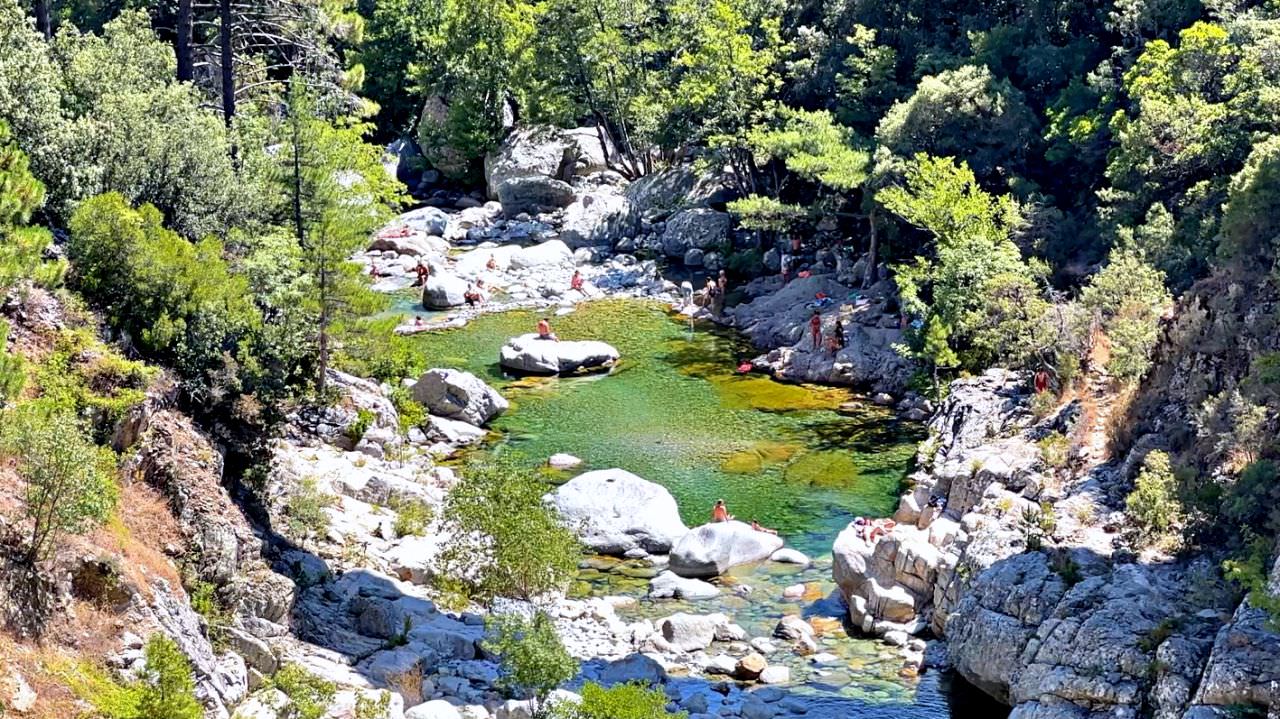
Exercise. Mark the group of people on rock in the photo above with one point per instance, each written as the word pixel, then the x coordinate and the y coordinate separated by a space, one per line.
pixel 835 342
pixel 720 513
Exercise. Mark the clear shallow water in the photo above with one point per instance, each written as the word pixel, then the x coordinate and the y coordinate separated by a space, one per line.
pixel 802 459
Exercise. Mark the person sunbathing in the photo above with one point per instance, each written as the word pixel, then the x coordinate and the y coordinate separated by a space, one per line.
pixel 720 513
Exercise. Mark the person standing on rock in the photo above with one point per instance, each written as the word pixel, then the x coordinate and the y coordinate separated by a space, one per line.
pixel 715 299
pixel 838 331
pixel 815 330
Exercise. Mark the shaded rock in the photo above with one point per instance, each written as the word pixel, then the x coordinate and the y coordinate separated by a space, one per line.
pixel 699 228
pixel 711 549
pixel 533 195
pixel 458 395
pixel 633 668
pixel 598 218
pixel 614 511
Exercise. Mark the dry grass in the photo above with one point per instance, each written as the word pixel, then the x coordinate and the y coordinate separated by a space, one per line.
pixel 37 665
pixel 139 533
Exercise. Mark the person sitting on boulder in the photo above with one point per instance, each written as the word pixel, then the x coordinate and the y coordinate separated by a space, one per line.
pixel 720 513
pixel 492 264
pixel 473 296
pixel 575 282
pixel 423 273
pixel 756 526
pixel 544 331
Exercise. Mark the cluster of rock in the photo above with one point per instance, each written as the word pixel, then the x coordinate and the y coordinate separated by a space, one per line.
pixel 1071 630
pixel 777 317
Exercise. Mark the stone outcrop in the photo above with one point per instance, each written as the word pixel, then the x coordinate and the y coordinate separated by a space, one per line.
pixel 1070 630
pixel 443 291
pixel 458 395
pixel 534 355
pixel 698 228
pixel 711 549
pixel 616 512
pixel 599 218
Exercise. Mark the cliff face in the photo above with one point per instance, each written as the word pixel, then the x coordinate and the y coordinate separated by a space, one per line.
pixel 1020 568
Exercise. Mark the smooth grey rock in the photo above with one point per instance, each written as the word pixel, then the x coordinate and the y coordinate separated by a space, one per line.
pixel 614 511
pixel 443 291
pixel 711 549
pixel 458 395
pixel 532 354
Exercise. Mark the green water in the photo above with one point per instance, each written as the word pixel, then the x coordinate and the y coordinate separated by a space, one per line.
pixel 803 459
pixel 676 412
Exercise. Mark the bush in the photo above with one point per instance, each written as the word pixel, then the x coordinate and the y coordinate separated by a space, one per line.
pixel 1054 449
pixel 364 418
pixel 70 482
pixel 1043 403
pixel 534 660
pixel 1252 572
pixel 88 379
pixel 621 701
pixel 410 412
pixel 168 690
pixel 306 508
pixel 1153 505
pixel 503 540
pixel 413 516
pixel 310 694
pixel 13 373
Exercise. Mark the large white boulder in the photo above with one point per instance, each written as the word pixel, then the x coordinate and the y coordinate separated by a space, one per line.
pixel 532 354
pixel 443 291
pixel 551 252
pixel 458 395
pixel 598 218
pixel 530 152
pixel 614 512
pixel 711 549
pixel 669 585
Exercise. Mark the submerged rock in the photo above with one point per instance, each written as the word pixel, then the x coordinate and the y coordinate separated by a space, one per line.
pixel 711 549
pixel 614 512
pixel 670 585
pixel 532 354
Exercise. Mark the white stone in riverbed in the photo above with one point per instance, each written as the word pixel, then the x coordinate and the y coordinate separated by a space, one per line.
pixel 530 353
pixel 435 709
pixel 787 555
pixel 795 591
pixel 711 549
pixel 458 395
pixel 614 511
pixel 561 460
pixel 669 585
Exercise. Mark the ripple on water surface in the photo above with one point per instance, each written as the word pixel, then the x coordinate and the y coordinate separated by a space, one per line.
pixel 802 459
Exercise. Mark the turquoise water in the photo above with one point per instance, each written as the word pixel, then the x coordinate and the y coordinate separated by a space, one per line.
pixel 802 459
pixel 676 412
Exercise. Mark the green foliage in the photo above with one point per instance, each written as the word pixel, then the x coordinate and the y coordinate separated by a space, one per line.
pixel 620 701
pixel 534 660
pixel 364 418
pixel 168 689
pixel 1153 504
pixel 504 541
pixel 306 507
pixel 408 410
pixel 13 372
pixel 1252 572
pixel 1054 449
pixel 1042 403
pixel 369 708
pixel 70 483
pixel 976 284
pixel 1253 500
pixel 1251 216
pixel 84 377
pixel 766 213
pixel 967 114
pixel 1128 297
pixel 165 689
pixel 310 694
pixel 413 516
pixel 205 602
pixel 813 146
pixel 179 300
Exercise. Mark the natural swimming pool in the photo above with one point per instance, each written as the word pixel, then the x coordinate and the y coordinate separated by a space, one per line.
pixel 802 459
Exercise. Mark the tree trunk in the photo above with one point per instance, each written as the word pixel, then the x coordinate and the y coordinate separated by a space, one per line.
pixel 869 273
pixel 186 65
pixel 228 62
pixel 43 18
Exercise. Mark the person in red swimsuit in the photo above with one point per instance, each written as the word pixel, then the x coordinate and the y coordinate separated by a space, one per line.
pixel 720 513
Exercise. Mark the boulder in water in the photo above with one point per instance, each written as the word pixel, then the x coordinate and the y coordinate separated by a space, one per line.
pixel 428 220
pixel 443 291
pixel 711 549
pixel 669 585
pixel 551 252
pixel 458 395
pixel 532 354
pixel 615 512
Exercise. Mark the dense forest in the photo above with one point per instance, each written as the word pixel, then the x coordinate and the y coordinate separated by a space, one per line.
pixel 1045 182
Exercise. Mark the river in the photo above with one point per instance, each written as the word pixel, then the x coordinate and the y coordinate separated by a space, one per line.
pixel 802 459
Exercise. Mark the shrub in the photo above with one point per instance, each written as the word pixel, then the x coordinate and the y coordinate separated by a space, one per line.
pixel 413 516
pixel 86 378
pixel 410 412
pixel 70 483
pixel 305 508
pixel 364 418
pixel 1152 504
pixel 503 540
pixel 534 660
pixel 310 694
pixel 621 701
pixel 1252 570
pixel 1054 449
pixel 13 373
pixel 205 603
pixel 370 708
pixel 168 690
pixel 1043 403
